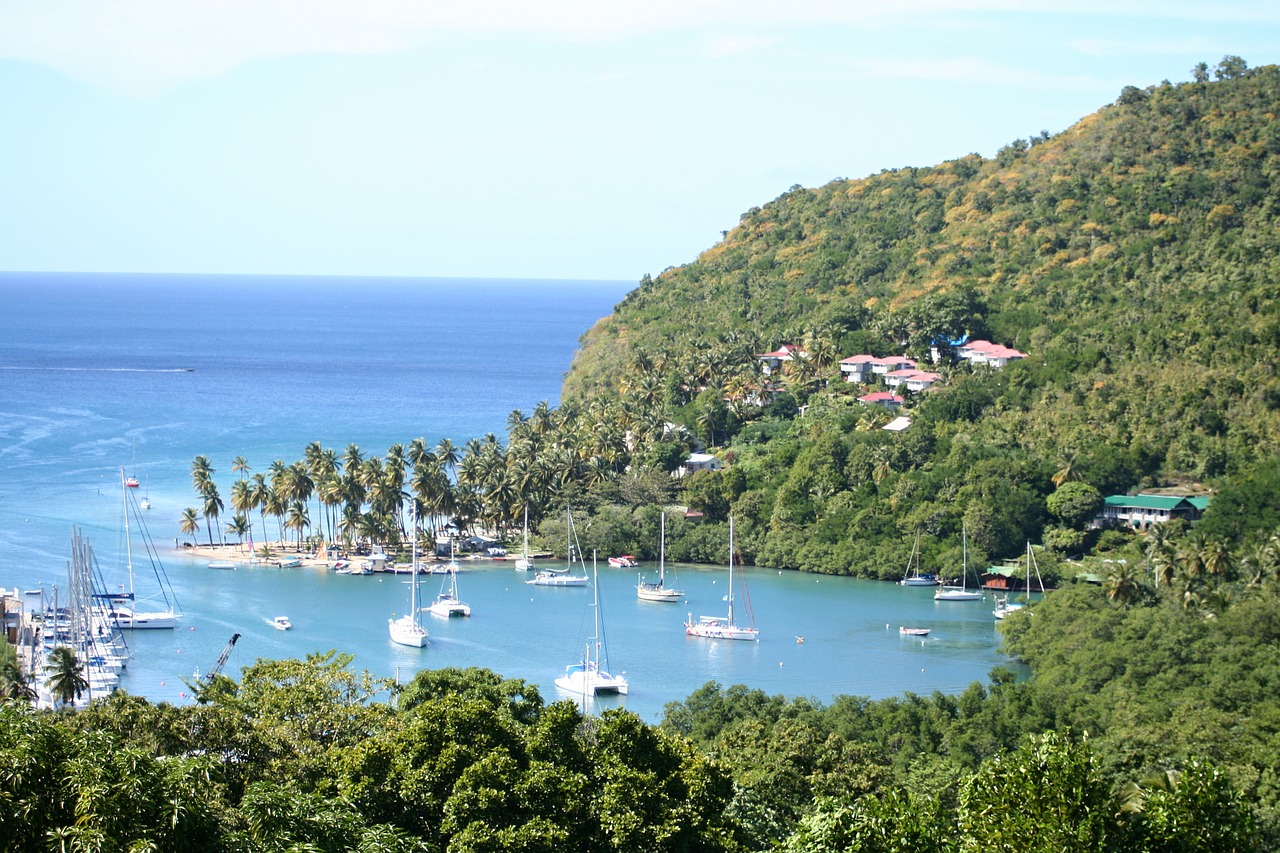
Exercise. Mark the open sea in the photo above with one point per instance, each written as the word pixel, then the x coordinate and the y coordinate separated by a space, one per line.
pixel 145 372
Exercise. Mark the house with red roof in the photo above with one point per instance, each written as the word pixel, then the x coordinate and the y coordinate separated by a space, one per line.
pixel 911 379
pixel 882 366
pixel 886 399
pixel 772 361
pixel 985 352
pixel 856 368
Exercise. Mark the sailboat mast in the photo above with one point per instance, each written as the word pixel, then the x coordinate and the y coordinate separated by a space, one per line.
pixel 413 585
pixel 731 571
pixel 128 544
pixel 595 607
pixel 662 553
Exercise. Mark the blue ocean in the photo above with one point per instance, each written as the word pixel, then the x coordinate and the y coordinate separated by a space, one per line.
pixel 100 373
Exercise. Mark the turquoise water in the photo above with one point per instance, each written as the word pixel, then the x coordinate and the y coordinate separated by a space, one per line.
pixel 99 372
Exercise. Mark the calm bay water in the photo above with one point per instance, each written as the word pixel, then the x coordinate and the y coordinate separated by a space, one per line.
pixel 146 372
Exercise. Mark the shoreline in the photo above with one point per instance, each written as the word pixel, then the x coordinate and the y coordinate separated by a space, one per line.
pixel 240 555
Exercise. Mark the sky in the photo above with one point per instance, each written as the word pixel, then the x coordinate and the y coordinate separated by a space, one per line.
pixel 568 139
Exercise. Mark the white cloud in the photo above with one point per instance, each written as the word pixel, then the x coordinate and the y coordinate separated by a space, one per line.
pixel 144 46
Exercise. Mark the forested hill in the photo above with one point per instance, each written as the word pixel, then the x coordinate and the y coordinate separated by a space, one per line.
pixel 1133 257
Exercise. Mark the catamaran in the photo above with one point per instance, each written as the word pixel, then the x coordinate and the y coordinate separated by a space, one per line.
pixel 591 675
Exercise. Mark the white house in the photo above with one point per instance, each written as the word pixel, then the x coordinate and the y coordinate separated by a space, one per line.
pixel 882 366
pixel 881 398
pixel 856 368
pixel 700 462
pixel 985 352
pixel 772 361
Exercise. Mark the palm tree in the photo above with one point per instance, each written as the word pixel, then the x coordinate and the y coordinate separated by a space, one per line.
pixel 201 474
pixel 242 503
pixel 66 681
pixel 239 524
pixel 190 521
pixel 298 519
pixel 240 466
pixel 14 683
pixel 1122 584
pixel 213 507
pixel 1160 555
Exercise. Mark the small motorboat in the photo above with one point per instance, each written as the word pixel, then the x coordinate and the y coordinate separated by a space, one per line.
pixel 222 564
pixel 281 623
pixel 624 562
pixel 913 632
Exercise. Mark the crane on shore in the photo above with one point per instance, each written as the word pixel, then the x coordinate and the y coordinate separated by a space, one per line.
pixel 222 658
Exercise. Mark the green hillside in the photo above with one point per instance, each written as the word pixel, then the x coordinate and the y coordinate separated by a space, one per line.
pixel 1132 257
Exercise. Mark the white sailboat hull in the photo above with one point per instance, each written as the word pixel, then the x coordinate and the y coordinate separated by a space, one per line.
pixel 552 579
pixel 450 607
pixel 648 592
pixel 138 621
pixel 717 628
pixel 407 632
pixel 957 594
pixel 588 679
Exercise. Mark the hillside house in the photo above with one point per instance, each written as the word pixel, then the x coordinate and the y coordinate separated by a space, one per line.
pixel 985 352
pixel 910 379
pixel 1139 512
pixel 856 368
pixel 883 366
pixel 887 399
pixel 771 362
pixel 700 462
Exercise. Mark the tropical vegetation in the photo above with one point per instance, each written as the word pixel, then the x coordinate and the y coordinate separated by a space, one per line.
pixel 1133 258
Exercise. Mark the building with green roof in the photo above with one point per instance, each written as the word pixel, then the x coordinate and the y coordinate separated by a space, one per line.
pixel 1139 512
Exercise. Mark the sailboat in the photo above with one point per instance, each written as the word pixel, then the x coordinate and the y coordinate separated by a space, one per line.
pixel 913 575
pixel 131 482
pixel 719 627
pixel 1003 605
pixel 408 630
pixel 126 615
pixel 563 577
pixel 591 675
pixel 525 562
pixel 650 591
pixel 447 602
pixel 951 592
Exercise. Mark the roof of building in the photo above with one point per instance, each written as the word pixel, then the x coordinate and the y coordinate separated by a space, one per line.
pixel 897 424
pixel 1164 502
